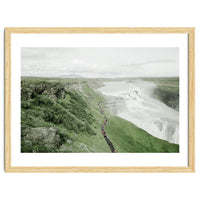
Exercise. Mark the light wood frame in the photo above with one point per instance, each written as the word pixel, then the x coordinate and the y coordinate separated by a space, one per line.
pixel 86 30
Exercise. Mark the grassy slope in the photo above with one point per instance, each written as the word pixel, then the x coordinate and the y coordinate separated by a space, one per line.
pixel 92 143
pixel 125 136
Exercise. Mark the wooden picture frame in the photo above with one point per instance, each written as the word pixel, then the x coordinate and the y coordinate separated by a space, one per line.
pixel 85 169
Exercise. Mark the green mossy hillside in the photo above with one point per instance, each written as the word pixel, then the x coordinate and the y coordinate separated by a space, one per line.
pixel 46 104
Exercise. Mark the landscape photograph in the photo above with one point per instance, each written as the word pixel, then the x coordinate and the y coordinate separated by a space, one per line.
pixel 99 100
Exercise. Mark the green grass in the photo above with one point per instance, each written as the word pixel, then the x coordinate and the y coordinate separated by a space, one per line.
pixel 126 137
pixel 58 103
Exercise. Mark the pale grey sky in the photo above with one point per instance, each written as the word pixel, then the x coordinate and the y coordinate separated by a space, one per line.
pixel 102 62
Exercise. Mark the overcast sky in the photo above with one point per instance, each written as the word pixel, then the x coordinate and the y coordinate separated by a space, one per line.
pixel 105 62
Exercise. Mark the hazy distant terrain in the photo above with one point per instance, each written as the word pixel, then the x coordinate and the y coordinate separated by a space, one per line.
pixel 61 114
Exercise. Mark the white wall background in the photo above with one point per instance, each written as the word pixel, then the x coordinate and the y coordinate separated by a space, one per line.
pixel 78 13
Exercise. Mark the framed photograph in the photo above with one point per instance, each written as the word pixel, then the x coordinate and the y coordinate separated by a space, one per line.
pixel 99 99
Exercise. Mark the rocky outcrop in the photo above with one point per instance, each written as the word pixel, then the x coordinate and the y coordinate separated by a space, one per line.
pixel 47 136
pixel 53 90
pixel 170 98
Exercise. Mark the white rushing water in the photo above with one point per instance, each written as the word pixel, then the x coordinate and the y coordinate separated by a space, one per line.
pixel 133 102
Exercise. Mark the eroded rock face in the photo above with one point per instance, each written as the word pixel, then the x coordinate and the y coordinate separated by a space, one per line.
pixel 48 137
pixel 53 90
pixel 55 93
